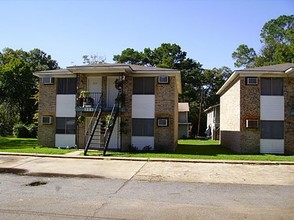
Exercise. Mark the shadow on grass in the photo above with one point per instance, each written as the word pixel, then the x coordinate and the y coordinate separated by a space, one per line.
pixel 12 143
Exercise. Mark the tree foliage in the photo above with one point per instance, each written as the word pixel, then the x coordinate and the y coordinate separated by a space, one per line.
pixel 17 83
pixel 199 86
pixel 277 38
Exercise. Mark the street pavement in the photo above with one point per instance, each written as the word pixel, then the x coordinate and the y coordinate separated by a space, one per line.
pixel 189 171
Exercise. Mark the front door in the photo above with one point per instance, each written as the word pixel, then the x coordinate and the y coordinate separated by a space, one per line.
pixel 95 88
pixel 111 91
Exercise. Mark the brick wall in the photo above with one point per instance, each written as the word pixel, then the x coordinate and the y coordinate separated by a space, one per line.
pixel 47 106
pixel 126 116
pixel 166 104
pixel 230 117
pixel 249 109
pixel 289 119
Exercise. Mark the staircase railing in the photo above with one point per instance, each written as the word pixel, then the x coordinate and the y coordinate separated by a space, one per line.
pixel 110 125
pixel 93 124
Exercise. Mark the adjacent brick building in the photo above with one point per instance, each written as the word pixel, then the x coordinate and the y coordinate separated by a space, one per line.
pixel 257 110
pixel 148 117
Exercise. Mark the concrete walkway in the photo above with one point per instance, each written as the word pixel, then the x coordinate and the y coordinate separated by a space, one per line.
pixel 145 169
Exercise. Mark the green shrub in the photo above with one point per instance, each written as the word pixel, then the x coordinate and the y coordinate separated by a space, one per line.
pixel 21 131
pixel 25 131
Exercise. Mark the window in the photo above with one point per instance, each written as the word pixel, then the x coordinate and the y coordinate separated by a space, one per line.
pixel 65 125
pixel 272 86
pixel 142 127
pixel 66 86
pixel 251 81
pixel 163 79
pixel 272 129
pixel 251 123
pixel 47 120
pixel 162 122
pixel 143 86
pixel 47 80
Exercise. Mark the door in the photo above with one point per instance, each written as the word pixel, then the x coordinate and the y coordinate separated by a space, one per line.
pixel 111 91
pixel 95 88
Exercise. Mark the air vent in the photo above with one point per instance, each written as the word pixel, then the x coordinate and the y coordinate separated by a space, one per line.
pixel 47 120
pixel 251 81
pixel 163 79
pixel 162 122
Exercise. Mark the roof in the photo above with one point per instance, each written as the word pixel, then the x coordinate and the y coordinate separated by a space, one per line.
pixel 183 107
pixel 107 68
pixel 278 70
pixel 209 109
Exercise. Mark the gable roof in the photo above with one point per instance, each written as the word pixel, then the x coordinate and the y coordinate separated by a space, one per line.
pixel 132 69
pixel 278 70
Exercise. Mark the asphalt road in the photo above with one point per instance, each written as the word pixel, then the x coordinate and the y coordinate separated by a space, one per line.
pixel 29 197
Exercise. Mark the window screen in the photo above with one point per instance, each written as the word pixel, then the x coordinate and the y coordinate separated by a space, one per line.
pixel 272 86
pixel 65 125
pixel 143 86
pixel 142 127
pixel 272 129
pixel 66 86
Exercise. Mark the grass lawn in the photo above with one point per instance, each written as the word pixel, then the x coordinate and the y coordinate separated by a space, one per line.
pixel 27 145
pixel 199 149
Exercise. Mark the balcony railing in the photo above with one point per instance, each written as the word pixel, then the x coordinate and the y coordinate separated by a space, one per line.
pixel 88 103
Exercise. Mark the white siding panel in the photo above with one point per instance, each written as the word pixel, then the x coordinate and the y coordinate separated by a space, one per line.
pixel 143 106
pixel 272 108
pixel 65 140
pixel 271 146
pixel 65 105
pixel 141 141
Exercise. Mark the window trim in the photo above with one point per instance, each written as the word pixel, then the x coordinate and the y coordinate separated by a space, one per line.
pixel 160 81
pixel 50 82
pixel 249 125
pixel 166 124
pixel 251 83
pixel 50 119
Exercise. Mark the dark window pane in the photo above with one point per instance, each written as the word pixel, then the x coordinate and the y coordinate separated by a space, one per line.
pixel 65 125
pixel 148 86
pixel 142 127
pixel 143 86
pixel 265 86
pixel 137 86
pixel 60 125
pixel 66 86
pixel 272 129
pixel 277 86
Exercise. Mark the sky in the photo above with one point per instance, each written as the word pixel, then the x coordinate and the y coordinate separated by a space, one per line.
pixel 208 30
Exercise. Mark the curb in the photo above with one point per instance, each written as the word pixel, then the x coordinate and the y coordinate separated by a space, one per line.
pixel 170 160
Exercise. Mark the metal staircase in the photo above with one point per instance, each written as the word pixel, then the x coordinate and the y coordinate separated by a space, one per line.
pixel 104 135
pixel 110 125
pixel 93 125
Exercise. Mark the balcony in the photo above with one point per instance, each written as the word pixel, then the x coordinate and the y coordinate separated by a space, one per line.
pixel 88 101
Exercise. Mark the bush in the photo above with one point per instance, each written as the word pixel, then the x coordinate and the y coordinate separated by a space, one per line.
pixel 25 131
pixel 21 131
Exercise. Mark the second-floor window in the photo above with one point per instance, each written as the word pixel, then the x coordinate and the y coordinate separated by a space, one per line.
pixel 272 86
pixel 66 86
pixel 143 86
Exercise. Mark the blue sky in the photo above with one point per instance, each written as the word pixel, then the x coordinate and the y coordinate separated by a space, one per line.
pixel 208 30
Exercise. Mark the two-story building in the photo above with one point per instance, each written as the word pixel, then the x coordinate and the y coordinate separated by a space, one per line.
pixel 257 110
pixel 71 100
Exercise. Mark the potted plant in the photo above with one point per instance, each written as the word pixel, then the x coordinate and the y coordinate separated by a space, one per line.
pixel 81 98
pixel 88 100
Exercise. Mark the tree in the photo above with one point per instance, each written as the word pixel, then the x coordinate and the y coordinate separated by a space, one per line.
pixel 277 38
pixel 198 85
pixel 17 83
pixel 93 59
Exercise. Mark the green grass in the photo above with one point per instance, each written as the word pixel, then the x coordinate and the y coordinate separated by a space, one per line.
pixel 199 149
pixel 27 145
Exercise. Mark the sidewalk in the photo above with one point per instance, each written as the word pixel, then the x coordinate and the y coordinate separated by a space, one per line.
pixel 145 169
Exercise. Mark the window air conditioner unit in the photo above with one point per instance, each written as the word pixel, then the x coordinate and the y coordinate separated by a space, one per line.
pixel 162 122
pixel 251 81
pixel 163 79
pixel 47 80
pixel 47 120
pixel 251 123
